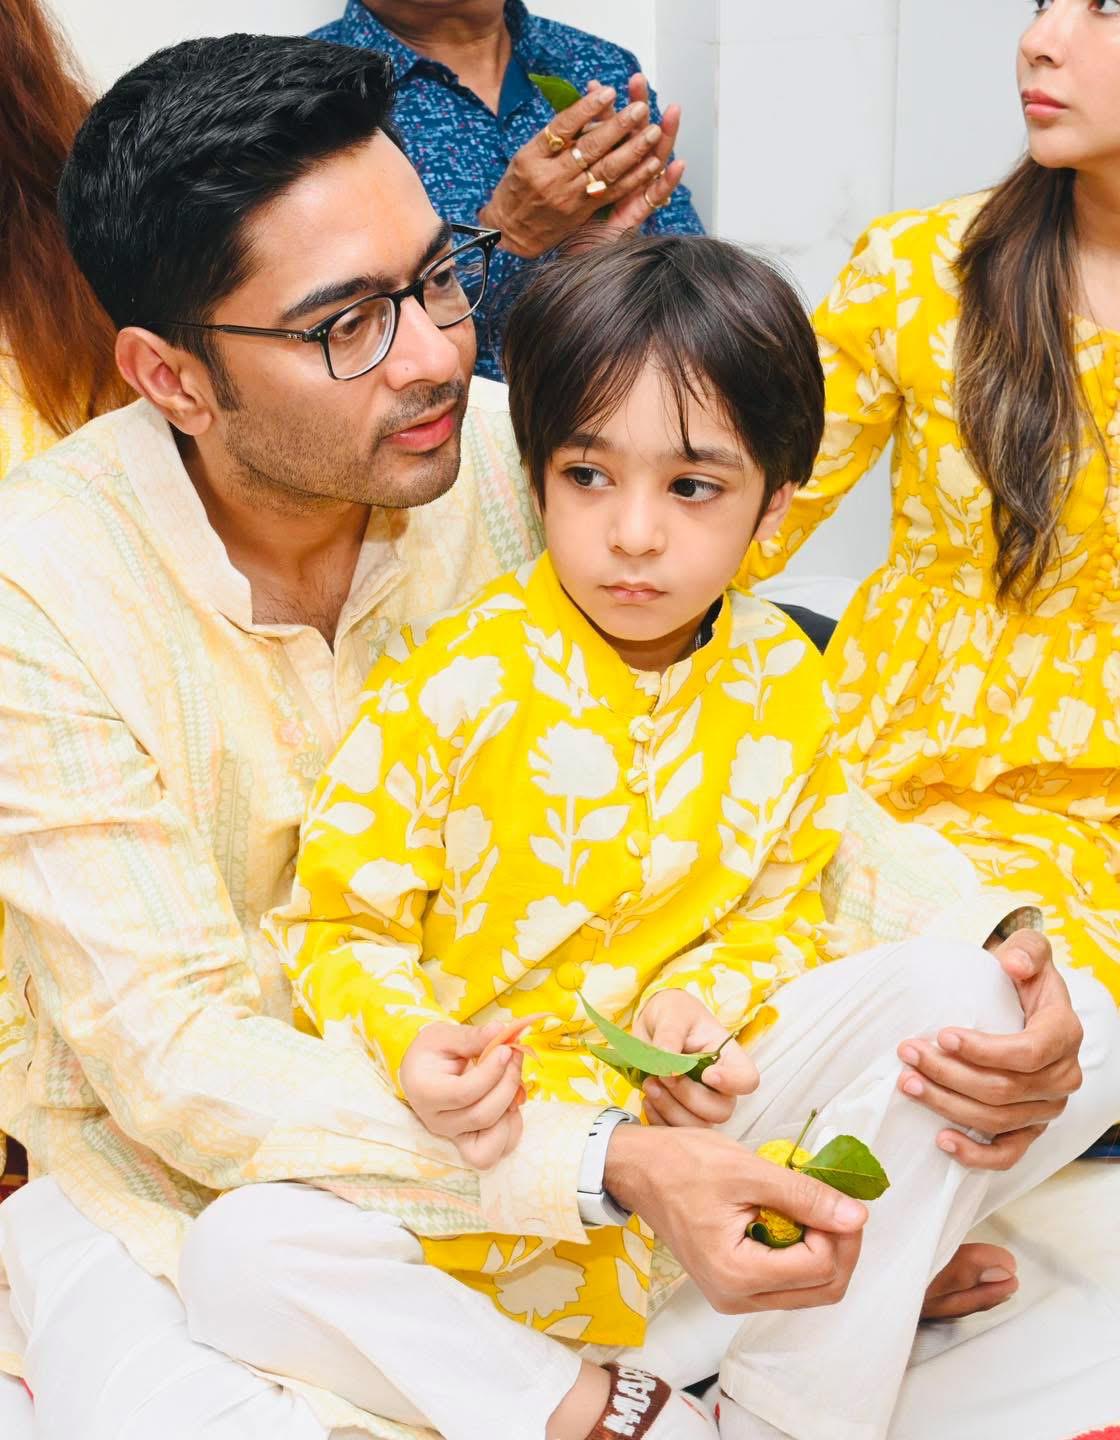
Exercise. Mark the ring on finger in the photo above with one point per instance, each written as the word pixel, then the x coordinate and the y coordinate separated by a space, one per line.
pixel 579 157
pixel 555 142
pixel 654 204
pixel 594 185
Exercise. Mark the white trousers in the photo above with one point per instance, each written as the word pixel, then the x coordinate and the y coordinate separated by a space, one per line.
pixel 295 1281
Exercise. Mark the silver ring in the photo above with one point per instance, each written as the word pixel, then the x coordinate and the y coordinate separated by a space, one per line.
pixel 578 157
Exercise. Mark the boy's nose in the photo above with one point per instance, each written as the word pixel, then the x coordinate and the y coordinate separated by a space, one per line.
pixel 637 529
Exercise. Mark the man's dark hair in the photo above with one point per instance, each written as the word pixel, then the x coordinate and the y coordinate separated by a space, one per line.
pixel 176 157
pixel 723 326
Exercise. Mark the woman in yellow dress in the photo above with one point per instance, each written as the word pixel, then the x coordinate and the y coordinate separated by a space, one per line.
pixel 978 672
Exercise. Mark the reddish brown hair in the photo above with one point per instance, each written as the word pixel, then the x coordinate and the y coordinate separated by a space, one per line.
pixel 50 322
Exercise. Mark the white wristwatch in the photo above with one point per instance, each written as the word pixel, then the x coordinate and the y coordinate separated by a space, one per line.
pixel 596 1205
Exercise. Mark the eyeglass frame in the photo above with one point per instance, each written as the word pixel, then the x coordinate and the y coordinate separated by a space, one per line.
pixel 320 332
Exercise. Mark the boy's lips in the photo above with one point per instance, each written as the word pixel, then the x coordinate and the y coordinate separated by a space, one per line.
pixel 426 434
pixel 633 592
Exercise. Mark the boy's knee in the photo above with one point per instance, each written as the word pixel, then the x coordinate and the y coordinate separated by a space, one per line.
pixel 952 982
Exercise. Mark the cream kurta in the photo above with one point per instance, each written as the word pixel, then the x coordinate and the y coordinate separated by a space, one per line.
pixel 517 815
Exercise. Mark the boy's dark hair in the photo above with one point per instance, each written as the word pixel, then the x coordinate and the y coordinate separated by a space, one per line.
pixel 176 157
pixel 721 324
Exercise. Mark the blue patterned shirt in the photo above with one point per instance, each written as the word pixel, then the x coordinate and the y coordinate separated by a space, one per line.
pixel 461 149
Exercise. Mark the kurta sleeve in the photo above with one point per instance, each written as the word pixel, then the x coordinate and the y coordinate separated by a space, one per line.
pixel 856 329
pixel 371 854
pixel 777 931
pixel 137 958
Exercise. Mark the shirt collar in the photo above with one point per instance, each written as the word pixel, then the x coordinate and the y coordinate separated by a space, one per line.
pixel 524 30
pixel 608 675
pixel 182 529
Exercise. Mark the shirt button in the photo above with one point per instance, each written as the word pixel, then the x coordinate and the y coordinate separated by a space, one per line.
pixel 638 845
pixel 641 730
pixel 569 975
pixel 637 781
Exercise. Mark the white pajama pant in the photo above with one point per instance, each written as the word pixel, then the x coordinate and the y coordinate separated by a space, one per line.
pixel 295 1281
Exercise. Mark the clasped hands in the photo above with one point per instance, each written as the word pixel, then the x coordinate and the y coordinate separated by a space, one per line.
pixel 543 196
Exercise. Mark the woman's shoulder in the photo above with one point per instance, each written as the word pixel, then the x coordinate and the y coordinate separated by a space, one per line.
pixel 904 236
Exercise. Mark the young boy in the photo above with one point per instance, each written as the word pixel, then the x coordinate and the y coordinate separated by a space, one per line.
pixel 610 775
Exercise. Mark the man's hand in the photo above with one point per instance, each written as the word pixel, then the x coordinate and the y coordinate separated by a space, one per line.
pixel 639 205
pixel 543 196
pixel 674 1020
pixel 700 1191
pixel 1006 1086
pixel 478 1106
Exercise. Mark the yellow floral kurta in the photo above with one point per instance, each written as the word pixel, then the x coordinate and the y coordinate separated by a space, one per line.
pixel 516 815
pixel 1000 726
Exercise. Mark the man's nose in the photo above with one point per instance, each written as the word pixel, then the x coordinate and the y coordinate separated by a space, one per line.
pixel 420 351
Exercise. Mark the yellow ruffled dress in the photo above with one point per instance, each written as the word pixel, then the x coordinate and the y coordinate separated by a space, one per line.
pixel 998 725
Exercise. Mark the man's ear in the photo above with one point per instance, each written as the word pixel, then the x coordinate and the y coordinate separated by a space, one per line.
pixel 174 381
pixel 776 510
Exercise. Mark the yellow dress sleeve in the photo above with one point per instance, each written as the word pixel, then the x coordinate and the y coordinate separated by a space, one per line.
pixel 776 931
pixel 371 853
pixel 856 330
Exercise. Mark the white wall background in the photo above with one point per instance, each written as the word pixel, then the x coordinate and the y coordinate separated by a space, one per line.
pixel 804 119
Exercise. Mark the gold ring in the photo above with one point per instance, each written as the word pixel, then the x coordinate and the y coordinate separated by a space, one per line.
pixel 578 157
pixel 555 142
pixel 594 185
pixel 654 204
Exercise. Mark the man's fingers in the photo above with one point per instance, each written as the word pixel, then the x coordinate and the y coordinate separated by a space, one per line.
pixel 1003 1153
pixel 803 1199
pixel 971 1114
pixel 586 110
pixel 815 1272
pixel 988 1085
pixel 663 1107
pixel 977 1278
pixel 1050 1035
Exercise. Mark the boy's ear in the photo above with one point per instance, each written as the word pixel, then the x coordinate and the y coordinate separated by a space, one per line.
pixel 776 511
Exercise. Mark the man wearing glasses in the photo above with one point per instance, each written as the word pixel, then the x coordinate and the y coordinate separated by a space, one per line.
pixel 192 591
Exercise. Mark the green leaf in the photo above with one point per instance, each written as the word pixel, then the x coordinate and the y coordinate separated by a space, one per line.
pixel 616 1062
pixel 761 1232
pixel 627 1052
pixel 558 92
pixel 848 1165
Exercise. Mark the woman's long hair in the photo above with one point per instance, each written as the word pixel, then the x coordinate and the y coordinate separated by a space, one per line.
pixel 1021 407
pixel 50 322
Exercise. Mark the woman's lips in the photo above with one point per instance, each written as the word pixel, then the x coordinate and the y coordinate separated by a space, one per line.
pixel 427 436
pixel 1038 104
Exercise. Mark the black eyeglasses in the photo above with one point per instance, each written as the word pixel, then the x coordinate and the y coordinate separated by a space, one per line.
pixel 359 336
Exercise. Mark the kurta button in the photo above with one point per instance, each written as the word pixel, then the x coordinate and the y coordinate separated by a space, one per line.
pixel 637 781
pixel 641 730
pixel 569 975
pixel 638 845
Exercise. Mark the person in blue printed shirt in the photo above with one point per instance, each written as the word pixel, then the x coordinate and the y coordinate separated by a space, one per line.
pixel 489 147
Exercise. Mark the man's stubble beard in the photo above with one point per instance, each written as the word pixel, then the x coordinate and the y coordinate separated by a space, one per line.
pixel 300 469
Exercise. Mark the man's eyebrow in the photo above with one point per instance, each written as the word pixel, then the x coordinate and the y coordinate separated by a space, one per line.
pixel 695 455
pixel 339 291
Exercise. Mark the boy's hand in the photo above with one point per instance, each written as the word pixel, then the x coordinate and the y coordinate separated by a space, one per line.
pixel 674 1020
pixel 476 1106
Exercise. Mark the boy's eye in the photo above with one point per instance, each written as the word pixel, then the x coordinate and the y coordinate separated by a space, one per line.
pixel 689 488
pixel 587 477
